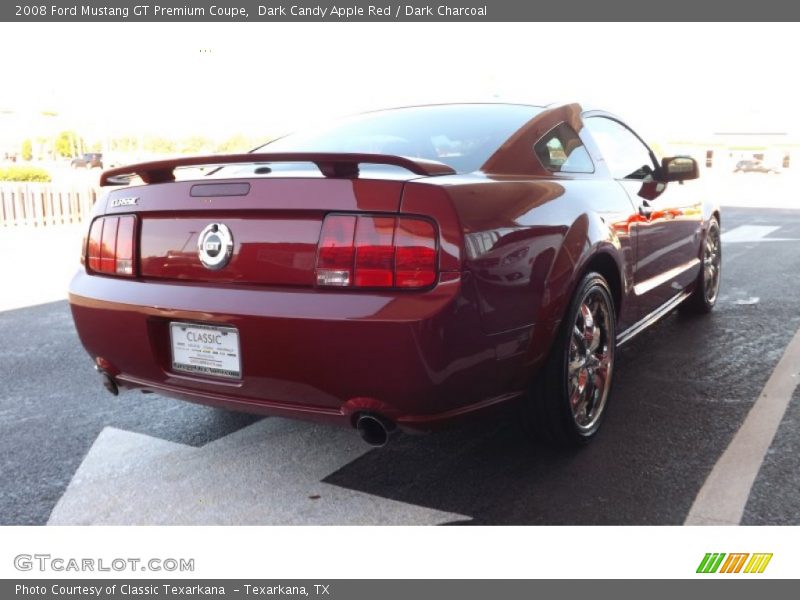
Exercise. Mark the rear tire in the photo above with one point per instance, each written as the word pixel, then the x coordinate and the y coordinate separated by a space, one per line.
pixel 706 288
pixel 569 396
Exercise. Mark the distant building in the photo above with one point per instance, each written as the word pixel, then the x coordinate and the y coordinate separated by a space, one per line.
pixel 770 135
pixel 771 148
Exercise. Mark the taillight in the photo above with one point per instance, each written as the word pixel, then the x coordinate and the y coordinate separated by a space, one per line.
pixel 124 255
pixel 415 264
pixel 108 246
pixel 336 251
pixel 376 252
pixel 111 246
pixel 93 247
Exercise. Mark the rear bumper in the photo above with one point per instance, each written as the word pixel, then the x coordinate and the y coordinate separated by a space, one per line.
pixel 417 359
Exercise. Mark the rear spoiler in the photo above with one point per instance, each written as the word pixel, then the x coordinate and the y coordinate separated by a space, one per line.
pixel 331 164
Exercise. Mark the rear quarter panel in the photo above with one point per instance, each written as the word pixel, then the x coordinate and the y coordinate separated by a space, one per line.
pixel 526 242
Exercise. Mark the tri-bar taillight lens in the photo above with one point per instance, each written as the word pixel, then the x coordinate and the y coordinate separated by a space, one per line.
pixel 111 247
pixel 376 251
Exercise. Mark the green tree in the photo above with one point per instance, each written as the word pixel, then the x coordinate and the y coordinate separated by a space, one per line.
pixel 159 145
pixel 27 149
pixel 235 143
pixel 196 144
pixel 68 144
pixel 124 144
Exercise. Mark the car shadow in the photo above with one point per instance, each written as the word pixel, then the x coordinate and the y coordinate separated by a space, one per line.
pixel 667 426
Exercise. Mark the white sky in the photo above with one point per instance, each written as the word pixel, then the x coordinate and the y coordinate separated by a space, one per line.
pixel 674 80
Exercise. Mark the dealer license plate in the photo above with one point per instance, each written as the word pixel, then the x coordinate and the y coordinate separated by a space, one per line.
pixel 206 349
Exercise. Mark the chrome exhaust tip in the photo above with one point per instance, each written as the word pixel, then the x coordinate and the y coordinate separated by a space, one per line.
pixel 375 430
pixel 108 382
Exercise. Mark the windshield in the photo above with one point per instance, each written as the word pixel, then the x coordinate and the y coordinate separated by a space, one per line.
pixel 463 136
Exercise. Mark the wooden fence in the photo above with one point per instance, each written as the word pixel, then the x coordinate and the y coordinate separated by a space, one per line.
pixel 44 204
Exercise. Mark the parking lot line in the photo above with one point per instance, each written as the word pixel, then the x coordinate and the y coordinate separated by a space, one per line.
pixel 722 499
pixel 753 233
pixel 268 473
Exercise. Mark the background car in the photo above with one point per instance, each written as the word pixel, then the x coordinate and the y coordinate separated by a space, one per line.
pixel 90 160
pixel 753 166
pixel 399 269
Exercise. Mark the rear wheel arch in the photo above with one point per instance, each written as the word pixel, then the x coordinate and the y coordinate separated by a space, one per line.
pixel 604 264
pixel 566 273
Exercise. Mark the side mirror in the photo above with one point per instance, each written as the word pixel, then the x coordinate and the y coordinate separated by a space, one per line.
pixel 679 168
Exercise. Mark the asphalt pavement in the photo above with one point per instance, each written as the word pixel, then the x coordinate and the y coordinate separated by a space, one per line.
pixel 71 453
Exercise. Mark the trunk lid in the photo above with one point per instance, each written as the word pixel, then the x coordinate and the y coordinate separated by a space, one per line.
pixel 274 224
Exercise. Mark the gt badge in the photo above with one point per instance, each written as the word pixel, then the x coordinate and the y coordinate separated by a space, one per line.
pixel 215 246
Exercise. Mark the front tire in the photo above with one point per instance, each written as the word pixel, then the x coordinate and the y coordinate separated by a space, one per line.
pixel 706 288
pixel 568 398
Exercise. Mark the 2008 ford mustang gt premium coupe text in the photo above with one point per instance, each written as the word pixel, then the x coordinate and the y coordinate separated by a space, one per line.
pixel 398 269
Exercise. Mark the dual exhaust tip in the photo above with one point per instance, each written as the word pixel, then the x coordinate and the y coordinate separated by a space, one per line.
pixel 375 430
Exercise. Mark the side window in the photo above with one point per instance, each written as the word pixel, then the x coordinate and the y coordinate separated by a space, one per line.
pixel 626 156
pixel 562 151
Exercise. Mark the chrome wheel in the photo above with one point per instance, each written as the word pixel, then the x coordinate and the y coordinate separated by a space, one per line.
pixel 590 360
pixel 712 261
pixel 570 395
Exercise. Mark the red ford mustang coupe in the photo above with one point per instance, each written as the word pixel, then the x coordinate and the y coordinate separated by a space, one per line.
pixel 398 269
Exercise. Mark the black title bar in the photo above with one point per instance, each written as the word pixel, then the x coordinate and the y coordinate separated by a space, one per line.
pixel 390 10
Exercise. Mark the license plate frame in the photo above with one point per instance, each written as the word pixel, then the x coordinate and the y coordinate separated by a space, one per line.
pixel 206 350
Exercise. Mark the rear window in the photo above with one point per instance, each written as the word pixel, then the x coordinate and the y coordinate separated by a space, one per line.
pixel 463 136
